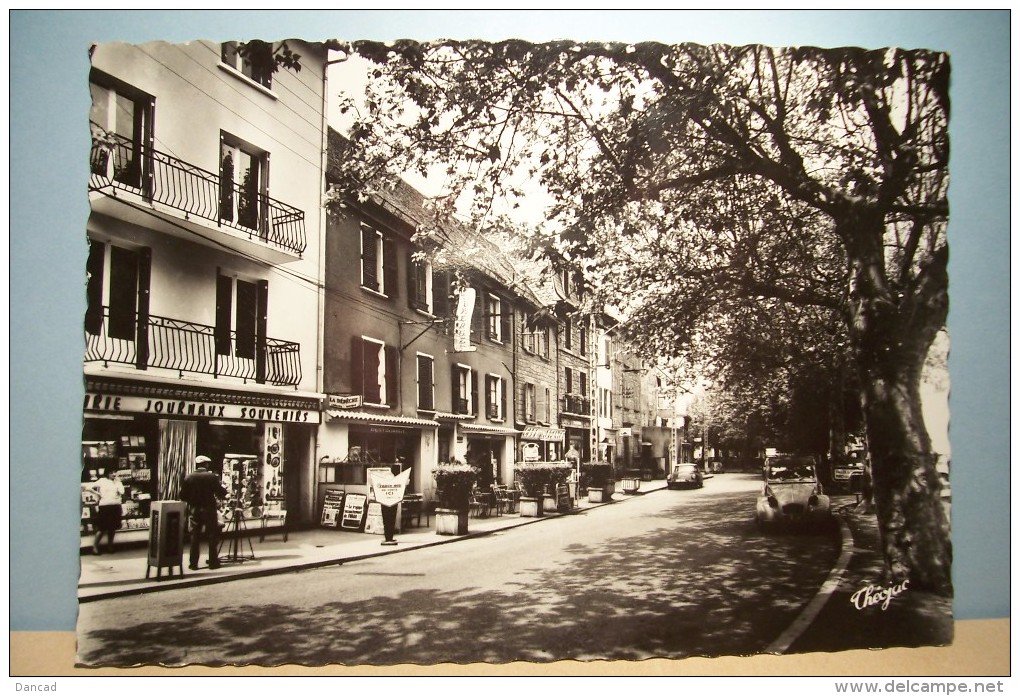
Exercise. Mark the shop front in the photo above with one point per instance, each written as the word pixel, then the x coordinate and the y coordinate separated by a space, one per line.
pixel 539 443
pixel 148 435
pixel 577 434
pixel 491 450
pixel 351 443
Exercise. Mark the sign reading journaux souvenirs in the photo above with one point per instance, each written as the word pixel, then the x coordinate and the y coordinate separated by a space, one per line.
pixel 114 403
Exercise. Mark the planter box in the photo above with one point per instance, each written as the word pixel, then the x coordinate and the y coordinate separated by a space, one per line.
pixel 532 507
pixel 603 494
pixel 630 485
pixel 451 522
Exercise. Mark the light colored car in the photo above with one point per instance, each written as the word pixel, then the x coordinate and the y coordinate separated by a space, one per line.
pixel 685 476
pixel 791 494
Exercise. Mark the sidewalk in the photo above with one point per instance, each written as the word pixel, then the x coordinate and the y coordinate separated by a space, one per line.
pixel 124 572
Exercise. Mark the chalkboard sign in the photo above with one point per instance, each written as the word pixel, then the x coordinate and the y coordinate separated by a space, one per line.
pixel 562 497
pixel 354 511
pixel 331 508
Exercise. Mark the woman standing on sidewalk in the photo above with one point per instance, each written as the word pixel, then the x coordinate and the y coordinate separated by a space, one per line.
pixel 108 514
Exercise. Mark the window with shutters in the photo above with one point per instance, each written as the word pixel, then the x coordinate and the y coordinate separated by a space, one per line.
pixel 426 383
pixel 244 183
pixel 568 380
pixel 495 397
pixel 464 389
pixel 492 310
pixel 241 313
pixel 419 283
pixel 378 262
pixel 374 371
pixel 121 121
pixel 568 334
pixel 547 411
pixel 529 403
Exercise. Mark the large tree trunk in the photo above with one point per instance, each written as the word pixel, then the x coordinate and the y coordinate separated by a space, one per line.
pixel 892 333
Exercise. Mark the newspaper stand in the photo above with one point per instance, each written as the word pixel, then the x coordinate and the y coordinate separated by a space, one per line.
pixel 166 537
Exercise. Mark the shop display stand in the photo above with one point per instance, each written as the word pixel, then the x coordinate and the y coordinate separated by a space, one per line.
pixel 237 529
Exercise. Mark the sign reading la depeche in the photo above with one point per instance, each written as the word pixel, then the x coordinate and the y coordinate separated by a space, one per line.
pixel 344 401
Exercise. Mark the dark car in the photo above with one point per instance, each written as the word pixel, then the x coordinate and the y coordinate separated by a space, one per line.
pixel 685 476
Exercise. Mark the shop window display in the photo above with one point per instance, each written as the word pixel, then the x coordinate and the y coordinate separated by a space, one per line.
pixel 124 457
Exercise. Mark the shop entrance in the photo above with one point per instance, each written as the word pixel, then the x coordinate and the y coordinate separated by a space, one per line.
pixel 396 447
pixel 485 454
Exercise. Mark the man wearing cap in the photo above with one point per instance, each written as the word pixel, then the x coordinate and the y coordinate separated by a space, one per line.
pixel 201 490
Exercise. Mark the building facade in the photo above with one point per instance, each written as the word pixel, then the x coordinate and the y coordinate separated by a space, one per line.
pixel 203 309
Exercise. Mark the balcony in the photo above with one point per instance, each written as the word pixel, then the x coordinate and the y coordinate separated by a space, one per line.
pixel 186 347
pixel 577 405
pixel 132 182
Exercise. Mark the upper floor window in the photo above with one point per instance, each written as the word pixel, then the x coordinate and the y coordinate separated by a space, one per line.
pixel 378 262
pixel 464 389
pixel 244 182
pixel 568 334
pixel 241 313
pixel 426 383
pixel 498 312
pixel 118 279
pixel 257 66
pixel 419 283
pixel 582 343
pixel 495 400
pixel 529 403
pixel 374 370
pixel 121 121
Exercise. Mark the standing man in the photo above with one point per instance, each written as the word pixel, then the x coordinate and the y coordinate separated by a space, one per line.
pixel 202 490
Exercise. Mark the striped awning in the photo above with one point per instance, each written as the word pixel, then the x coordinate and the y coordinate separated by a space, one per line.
pixel 543 434
pixel 470 428
pixel 382 419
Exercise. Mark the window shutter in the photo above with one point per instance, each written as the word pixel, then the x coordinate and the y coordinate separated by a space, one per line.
pixel 369 259
pixel 357 365
pixel 246 320
pixel 94 288
pixel 224 311
pixel 490 405
pixel 392 375
pixel 261 326
pixel 389 251
pixel 502 399
pixel 123 293
pixel 505 323
pixel 441 294
pixel 474 392
pixel 425 383
pixel 455 402
pixel 414 300
pixel 538 403
pixel 142 326
pixel 582 380
pixel 569 379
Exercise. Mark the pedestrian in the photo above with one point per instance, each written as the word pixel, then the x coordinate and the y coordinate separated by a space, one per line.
pixel 109 512
pixel 202 490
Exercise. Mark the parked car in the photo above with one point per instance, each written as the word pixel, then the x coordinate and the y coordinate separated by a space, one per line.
pixel 791 494
pixel 685 476
pixel 848 474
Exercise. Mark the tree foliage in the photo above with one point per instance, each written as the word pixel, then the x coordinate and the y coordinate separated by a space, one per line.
pixel 724 197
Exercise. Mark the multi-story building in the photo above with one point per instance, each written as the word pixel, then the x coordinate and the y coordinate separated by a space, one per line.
pixel 405 390
pixel 202 320
pixel 575 366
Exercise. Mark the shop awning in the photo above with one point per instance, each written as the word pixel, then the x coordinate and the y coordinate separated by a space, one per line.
pixel 543 434
pixel 470 428
pixel 452 417
pixel 362 417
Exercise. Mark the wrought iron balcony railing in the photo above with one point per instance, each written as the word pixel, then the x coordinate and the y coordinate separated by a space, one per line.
pixel 187 347
pixel 118 163
pixel 577 404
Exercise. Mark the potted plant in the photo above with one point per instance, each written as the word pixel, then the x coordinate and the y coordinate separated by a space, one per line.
pixel 600 482
pixel 631 481
pixel 557 474
pixel 533 477
pixel 454 481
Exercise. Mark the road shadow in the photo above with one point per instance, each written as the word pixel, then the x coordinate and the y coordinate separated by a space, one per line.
pixel 703 587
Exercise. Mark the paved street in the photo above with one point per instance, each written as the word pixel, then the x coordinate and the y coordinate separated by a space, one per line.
pixel 668 574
